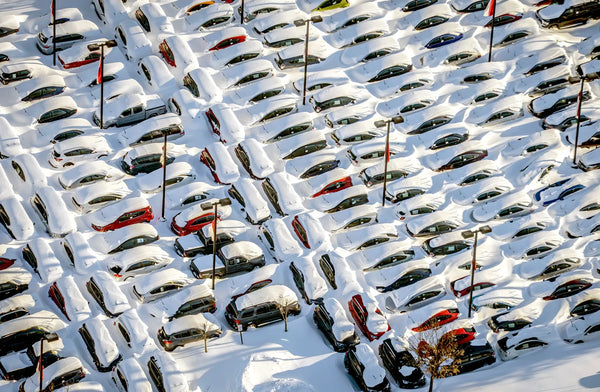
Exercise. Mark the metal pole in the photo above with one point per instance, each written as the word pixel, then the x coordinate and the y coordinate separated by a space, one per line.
pixel 54 32
pixel 387 153
pixel 579 101
pixel 164 179
pixel 492 32
pixel 473 265
pixel 101 86
pixel 305 62
pixel 242 20
pixel 214 245
pixel 41 364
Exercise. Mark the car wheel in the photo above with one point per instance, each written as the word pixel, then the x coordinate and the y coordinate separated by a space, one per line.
pixel 68 164
pixel 153 115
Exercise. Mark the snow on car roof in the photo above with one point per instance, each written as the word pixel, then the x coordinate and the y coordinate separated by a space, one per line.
pixel 336 220
pixel 188 293
pixel 285 244
pixel 209 40
pixel 369 257
pixel 48 266
pixel 241 248
pixel 82 253
pixel 104 346
pixel 372 374
pixel 173 379
pixel 110 213
pixel 279 17
pixel 386 276
pixel 356 237
pixel 152 281
pixel 30 85
pixel 218 58
pixel 403 295
pixel 118 87
pixel 231 226
pixel 129 257
pixel 43 319
pixel 419 223
pixel 330 200
pixel 288 198
pixel 247 92
pixel 317 47
pixel 298 32
pixel 59 221
pixel 51 372
pixel 273 292
pixel 76 305
pixel 537 266
pixel 50 130
pixel 197 321
pixel 257 112
pixel 85 169
pixel 47 104
pixel 18 301
pixel 342 327
pixel 184 57
pixel 135 327
pixel 72 27
pixel 132 371
pixel 175 197
pixel 151 182
pixel 346 36
pixel 314 284
pixel 114 299
pixel 97 142
pixel 20 224
pixel 108 241
pixel 266 131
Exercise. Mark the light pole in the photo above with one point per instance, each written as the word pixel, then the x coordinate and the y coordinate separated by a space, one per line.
pixel 583 77
pixel 100 77
pixel 164 176
pixel 469 234
pixel 242 13
pixel 53 10
pixel 207 206
pixel 302 22
pixel 379 124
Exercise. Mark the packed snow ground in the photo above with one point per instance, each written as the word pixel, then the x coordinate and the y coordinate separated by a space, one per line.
pixel 299 360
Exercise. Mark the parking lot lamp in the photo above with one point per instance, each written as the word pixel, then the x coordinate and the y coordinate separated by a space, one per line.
pixel 379 124
pixel 470 234
pixel 302 22
pixel 207 206
pixel 100 78
pixel 53 11
pixel 583 77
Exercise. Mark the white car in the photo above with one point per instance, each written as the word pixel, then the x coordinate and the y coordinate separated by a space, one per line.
pixel 60 130
pixel 53 212
pixel 156 73
pixel 154 21
pixel 107 294
pixel 462 52
pixel 583 227
pixel 51 109
pixel 178 173
pixel 128 237
pixel 165 372
pixel 278 240
pixel 40 256
pixel 277 20
pixel 343 199
pixel 67 296
pixel 183 103
pixel 234 54
pixel 160 284
pixel 202 86
pixel 312 165
pixel 244 73
pixel 131 38
pixel 408 102
pixel 397 84
pixel 77 249
pixel 407 188
pixel 88 173
pixel 133 330
pixel 98 194
pixel 153 130
pixel 79 149
pixel 254 204
pixel 133 262
pixel 365 237
pixel 221 165
pixel 523 226
pixel 10 143
pixel 257 91
pixel 582 329
pixel 350 218
pixel 14 218
pixel 128 374
pixel 300 144
pixel 508 206
pixel 282 127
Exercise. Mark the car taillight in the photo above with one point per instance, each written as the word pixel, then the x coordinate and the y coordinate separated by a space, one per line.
pixel 118 275
pixel 167 341
pixel 97 228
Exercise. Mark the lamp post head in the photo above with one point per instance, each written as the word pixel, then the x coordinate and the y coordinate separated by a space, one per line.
pixel 109 44
pixel 485 229
pixel 467 234
pixel 299 22
pixel 221 202
pixel 316 19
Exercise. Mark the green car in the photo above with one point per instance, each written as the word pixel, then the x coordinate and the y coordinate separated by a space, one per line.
pixel 331 5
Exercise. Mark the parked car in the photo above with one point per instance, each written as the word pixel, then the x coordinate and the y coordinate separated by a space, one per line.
pixel 53 212
pixel 361 363
pixel 126 238
pixel 195 217
pixel 278 240
pixel 165 374
pixel 400 363
pixel 309 283
pixel 415 296
pixel 88 173
pixel 77 249
pixel 41 87
pixel 330 318
pixel 253 203
pixel 176 174
pixel 146 158
pixel 582 329
pixel 280 193
pixel 79 55
pixel 177 53
pixel 154 21
pixel 193 299
pixel 131 38
pixel 240 256
pixel 153 130
pixel 367 317
pixel 188 329
pixel 221 165
pixel 128 374
pixel 225 124
pixel 590 160
pixel 78 149
pixel 13 281
pixel 524 341
pixel 122 213
pixel 262 306
pixel 67 34
pixel 20 333
pixel 40 256
pixel 157 285
pixel 475 355
pixel 52 109
pixel 201 242
pixel 63 373
pixel 100 345
pixel 14 219
pixel 133 330
pixel 253 158
pixel 567 14
pixel 66 295
pixel 155 72
pixel 137 261
pixel 213 16
pixel 107 294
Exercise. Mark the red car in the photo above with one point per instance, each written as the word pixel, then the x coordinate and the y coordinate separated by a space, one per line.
pixel 461 290
pixel 462 335
pixel 334 186
pixel 57 297
pixel 568 289
pixel 77 56
pixel 227 42
pixel 126 212
pixel 368 316
pixel 5 263
pixel 440 318
pixel 300 232
pixel 167 53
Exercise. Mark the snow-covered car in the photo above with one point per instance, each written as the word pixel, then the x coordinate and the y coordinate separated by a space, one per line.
pixel 365 237
pixel 65 129
pixel 138 261
pixel 64 373
pixel 281 194
pixel 99 343
pixel 243 73
pixel 445 244
pixel 214 16
pixel 483 190
pixel 356 132
pixel 409 81
pixel 357 33
pixel 67 34
pixel 177 174
pixel 434 223
pixel 107 294
pixel 278 240
pixel 375 150
pixel 583 227
pixel 188 329
pixel 116 88
pixel 361 363
pixel 310 284
pixel 219 40
pixel 288 36
pixel 498 299
pixel 589 134
pixel 154 21
pixel 419 294
pixel 159 284
pixel 264 7
pixel 253 158
pixel 128 374
pixel 299 145
pixel 127 237
pixel 398 276
pixel 193 299
pixel 408 188
pixel 66 295
pixel 183 103
pixel 123 213
pixel 153 129
pixel 349 218
pixel 40 256
pixel 165 373
pixel 367 316
pixel 132 329
pixel 129 109
pixel 188 194
pixel 147 158
pixel 277 20
pixel 131 38
pixel 387 255
pixel 88 173
pixel 550 103
pixel 533 246
pixel 582 329
pixel 178 54
pixel 508 206
pixel 590 160
pixel 234 54
pixel 225 124
pixel 551 265
pixel 408 102
pixel 53 212
pixel 257 91
pixel 88 77
pixel 77 249
pixel 201 242
pixel 79 149
pixel 201 85
pixel 41 87
pixel 367 51
pixel 293 57
pixel 309 231
pixel 313 165
pixel 79 54
pixel 91 197
pixel 221 165
pixel 155 72
pixel 523 341
pixel 396 168
pixel 418 205
pixel 52 109
pixel 330 317
pixel 196 217
pixel 14 218
pixel 110 11
pixel 253 203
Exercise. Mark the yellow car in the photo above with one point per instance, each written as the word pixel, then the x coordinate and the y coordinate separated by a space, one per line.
pixel 331 5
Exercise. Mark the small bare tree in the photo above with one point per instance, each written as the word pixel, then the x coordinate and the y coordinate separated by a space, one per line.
pixel 205 328
pixel 284 305
pixel 437 353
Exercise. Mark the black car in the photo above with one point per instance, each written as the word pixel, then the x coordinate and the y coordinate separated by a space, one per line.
pixel 396 359
pixel 464 159
pixel 586 307
pixel 320 168
pixel 354 366
pixel 406 279
pixel 417 5
pixel 56 114
pixel 577 14
pixel 43 92
pixel 326 319
pixel 445 249
pixel 350 202
pixel 389 72
pixel 507 325
pixel 90 344
pixel 144 159
pixel 475 357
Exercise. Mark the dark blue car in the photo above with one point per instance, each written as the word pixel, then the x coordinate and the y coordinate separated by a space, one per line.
pixel 569 191
pixel 443 39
